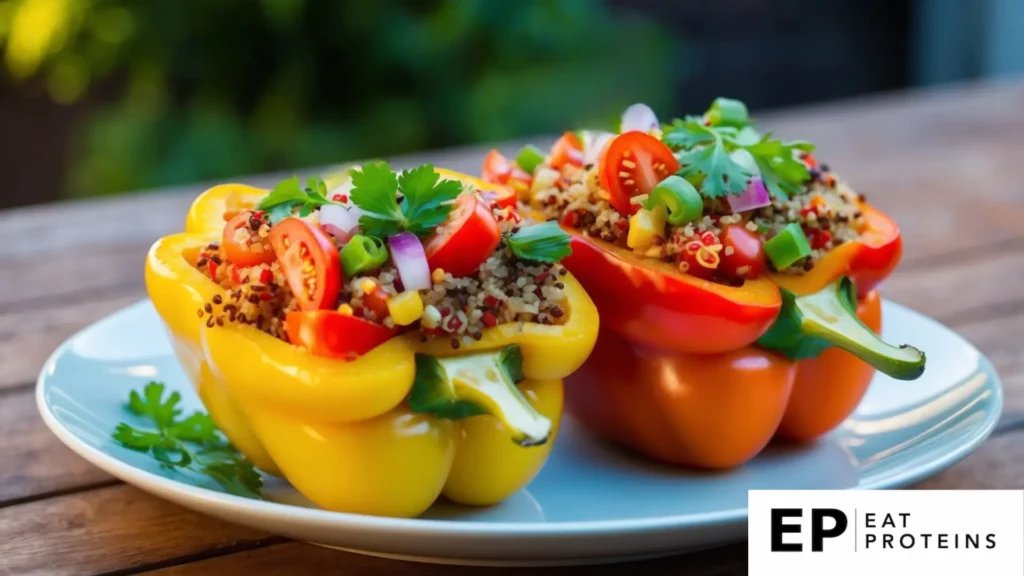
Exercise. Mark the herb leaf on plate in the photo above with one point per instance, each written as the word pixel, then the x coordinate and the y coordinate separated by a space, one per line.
pixel 193 443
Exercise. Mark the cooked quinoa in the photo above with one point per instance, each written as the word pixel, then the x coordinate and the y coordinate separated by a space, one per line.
pixel 826 209
pixel 503 290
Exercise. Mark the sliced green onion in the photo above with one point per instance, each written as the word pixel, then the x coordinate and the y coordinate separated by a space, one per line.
pixel 727 112
pixel 529 158
pixel 787 247
pixel 684 203
pixel 363 254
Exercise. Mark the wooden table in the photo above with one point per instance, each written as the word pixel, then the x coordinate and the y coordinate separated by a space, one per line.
pixel 948 165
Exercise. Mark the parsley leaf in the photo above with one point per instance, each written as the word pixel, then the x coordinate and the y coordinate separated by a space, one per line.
pixel 425 201
pixel 722 175
pixel 545 242
pixel 374 189
pixel 688 133
pixel 288 195
pixel 192 443
pixel 704 151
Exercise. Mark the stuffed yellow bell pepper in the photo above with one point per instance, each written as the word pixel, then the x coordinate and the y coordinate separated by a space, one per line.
pixel 458 393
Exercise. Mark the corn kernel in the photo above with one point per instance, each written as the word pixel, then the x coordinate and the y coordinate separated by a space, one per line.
pixel 345 309
pixel 367 286
pixel 406 308
pixel 437 276
pixel 644 226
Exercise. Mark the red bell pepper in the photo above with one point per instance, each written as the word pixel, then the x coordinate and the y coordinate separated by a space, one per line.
pixel 867 261
pixel 650 302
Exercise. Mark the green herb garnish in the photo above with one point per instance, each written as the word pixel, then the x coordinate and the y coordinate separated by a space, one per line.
pixel 545 242
pixel 192 443
pixel 289 195
pixel 705 144
pixel 426 199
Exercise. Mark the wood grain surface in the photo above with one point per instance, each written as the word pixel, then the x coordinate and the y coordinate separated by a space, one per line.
pixel 954 182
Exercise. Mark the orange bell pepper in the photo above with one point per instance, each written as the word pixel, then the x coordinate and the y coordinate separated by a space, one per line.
pixel 695 373
pixel 714 410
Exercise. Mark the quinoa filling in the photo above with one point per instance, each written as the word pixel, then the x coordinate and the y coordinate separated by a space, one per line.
pixel 709 194
pixel 827 210
pixel 505 288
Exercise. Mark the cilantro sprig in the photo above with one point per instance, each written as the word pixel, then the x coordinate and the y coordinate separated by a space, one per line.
pixel 191 443
pixel 289 195
pixel 705 149
pixel 545 242
pixel 424 203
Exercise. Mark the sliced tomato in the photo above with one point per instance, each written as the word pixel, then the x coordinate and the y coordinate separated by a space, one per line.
pixel 497 169
pixel 746 259
pixel 246 254
pixel 632 164
pixel 309 261
pixel 332 334
pixel 466 239
pixel 567 150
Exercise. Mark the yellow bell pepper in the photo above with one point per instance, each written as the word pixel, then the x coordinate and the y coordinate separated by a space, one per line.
pixel 344 433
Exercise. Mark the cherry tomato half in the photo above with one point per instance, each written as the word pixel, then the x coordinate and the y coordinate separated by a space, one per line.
pixel 747 259
pixel 496 169
pixel 634 163
pixel 567 150
pixel 466 239
pixel 310 262
pixel 335 335
pixel 246 254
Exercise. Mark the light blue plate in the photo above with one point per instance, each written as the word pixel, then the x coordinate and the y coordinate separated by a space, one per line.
pixel 591 503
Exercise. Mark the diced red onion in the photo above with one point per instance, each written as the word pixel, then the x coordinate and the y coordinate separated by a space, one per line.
pixel 410 259
pixel 755 196
pixel 593 143
pixel 339 221
pixel 639 117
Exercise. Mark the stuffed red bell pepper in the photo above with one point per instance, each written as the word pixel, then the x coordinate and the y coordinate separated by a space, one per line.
pixel 735 277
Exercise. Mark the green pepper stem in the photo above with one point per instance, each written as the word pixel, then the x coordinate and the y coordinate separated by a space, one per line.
pixel 830 315
pixel 479 384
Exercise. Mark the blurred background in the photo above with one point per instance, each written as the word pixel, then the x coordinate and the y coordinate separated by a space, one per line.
pixel 113 96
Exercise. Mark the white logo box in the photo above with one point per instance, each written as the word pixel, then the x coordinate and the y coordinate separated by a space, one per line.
pixel 927 532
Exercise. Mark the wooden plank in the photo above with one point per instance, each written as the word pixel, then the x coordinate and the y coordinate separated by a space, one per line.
pixel 28 337
pixel 962 290
pixel 300 558
pixel 997 465
pixel 109 529
pixel 32 460
pixel 73 276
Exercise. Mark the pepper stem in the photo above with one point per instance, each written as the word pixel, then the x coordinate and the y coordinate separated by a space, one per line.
pixel 809 324
pixel 479 384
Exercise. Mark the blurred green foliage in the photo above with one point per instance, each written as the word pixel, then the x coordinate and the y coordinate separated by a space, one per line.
pixel 210 89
